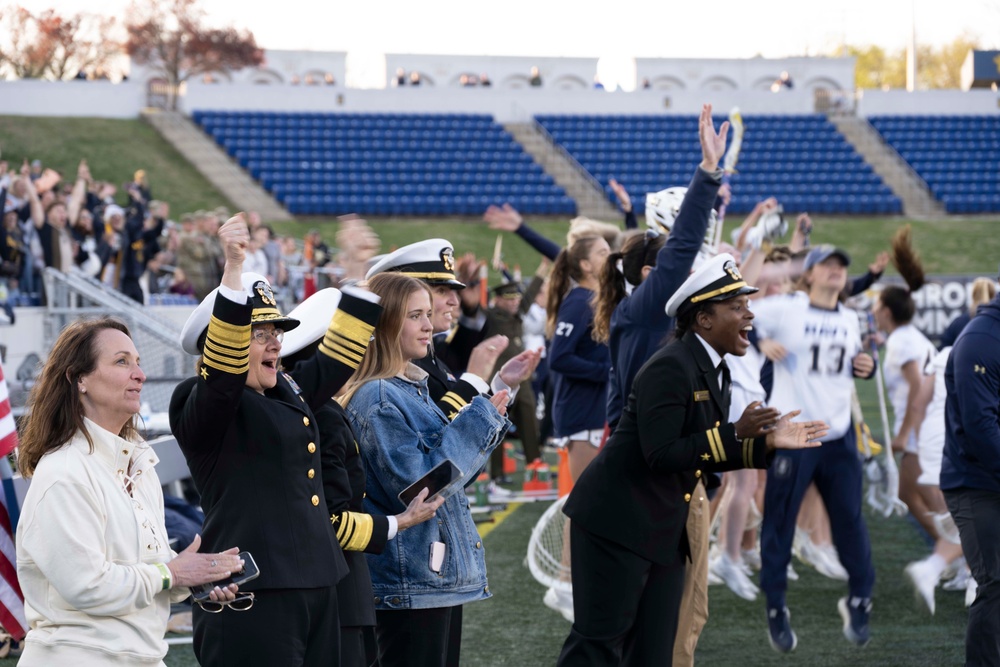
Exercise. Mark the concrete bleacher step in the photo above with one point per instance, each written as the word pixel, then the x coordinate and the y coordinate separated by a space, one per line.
pixel 209 159
pixel 905 183
pixel 578 184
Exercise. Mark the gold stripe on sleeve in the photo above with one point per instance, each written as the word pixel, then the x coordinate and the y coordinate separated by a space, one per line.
pixel 712 446
pixel 350 327
pixel 354 531
pixel 232 335
pixel 716 440
pixel 454 400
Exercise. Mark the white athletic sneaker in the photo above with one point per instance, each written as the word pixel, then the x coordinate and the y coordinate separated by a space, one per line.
pixel 970 591
pixel 924 579
pixel 494 489
pixel 791 573
pixel 561 602
pixel 734 577
pixel 828 564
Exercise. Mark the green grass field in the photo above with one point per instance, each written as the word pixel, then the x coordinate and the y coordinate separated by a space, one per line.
pixel 515 628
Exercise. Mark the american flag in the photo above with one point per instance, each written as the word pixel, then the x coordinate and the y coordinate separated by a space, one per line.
pixel 11 599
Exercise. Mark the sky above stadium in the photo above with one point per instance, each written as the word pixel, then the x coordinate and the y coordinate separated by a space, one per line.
pixel 641 28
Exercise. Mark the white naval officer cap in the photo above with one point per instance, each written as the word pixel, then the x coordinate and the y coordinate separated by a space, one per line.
pixel 432 261
pixel 717 279
pixel 314 314
pixel 265 309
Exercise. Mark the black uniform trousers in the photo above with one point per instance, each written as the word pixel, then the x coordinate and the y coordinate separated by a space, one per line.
pixel 419 637
pixel 629 615
pixel 270 632
pixel 977 515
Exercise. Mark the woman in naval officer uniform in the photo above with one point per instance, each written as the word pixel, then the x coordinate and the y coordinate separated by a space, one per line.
pixel 629 507
pixel 251 441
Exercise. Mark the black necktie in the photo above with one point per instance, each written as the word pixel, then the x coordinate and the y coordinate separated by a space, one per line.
pixel 727 382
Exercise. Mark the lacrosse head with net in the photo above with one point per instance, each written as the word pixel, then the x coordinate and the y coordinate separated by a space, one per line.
pixel 661 211
pixel 545 549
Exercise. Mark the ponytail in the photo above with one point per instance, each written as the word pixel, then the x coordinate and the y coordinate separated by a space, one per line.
pixel 565 268
pixel 610 291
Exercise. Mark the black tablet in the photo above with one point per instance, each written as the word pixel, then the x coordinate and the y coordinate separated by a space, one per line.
pixel 437 480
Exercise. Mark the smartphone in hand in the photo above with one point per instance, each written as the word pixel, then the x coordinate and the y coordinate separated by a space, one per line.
pixel 248 573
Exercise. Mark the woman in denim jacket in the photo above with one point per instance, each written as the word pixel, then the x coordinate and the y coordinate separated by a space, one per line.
pixel 402 434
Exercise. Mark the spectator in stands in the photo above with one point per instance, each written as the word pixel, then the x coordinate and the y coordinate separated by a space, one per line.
pixel 152 278
pixel 263 236
pixel 227 419
pixel 329 79
pixel 783 82
pixel 535 79
pixel 598 84
pixel 93 557
pixel 36 170
pixel 414 78
pixel 484 80
pixel 12 250
pixel 400 79
pixel 179 283
pixel 358 243
pixel 419 593
pixel 645 84
pixel 256 260
pixel 196 253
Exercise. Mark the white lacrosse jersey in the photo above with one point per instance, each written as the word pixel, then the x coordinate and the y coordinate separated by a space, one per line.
pixel 745 374
pixel 904 345
pixel 817 374
pixel 931 441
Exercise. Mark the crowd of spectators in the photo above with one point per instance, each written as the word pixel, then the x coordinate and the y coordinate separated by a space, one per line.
pixel 132 244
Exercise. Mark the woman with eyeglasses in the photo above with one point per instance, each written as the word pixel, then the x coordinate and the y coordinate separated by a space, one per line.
pixel 251 440
pixel 93 558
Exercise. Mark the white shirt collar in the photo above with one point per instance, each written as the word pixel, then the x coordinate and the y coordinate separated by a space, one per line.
pixel 712 354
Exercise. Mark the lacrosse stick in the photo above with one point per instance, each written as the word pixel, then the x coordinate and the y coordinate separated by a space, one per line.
pixel 545 549
pixel 894 504
pixel 729 166
pixel 877 495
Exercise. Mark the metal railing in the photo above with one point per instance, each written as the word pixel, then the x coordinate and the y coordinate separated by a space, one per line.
pixel 75 295
pixel 595 186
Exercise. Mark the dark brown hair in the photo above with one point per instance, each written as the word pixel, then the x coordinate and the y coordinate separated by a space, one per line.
pixel 56 412
pixel 566 266
pixel 639 250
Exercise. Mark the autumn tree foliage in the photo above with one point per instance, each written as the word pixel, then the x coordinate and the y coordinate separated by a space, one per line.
pixel 170 36
pixel 50 46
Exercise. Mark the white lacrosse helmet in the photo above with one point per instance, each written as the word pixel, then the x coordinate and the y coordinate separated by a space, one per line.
pixel 661 211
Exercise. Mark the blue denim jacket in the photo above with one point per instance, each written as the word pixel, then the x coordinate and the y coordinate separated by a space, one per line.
pixel 402 434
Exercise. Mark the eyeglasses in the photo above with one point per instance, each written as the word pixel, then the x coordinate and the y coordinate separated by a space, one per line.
pixel 262 336
pixel 243 602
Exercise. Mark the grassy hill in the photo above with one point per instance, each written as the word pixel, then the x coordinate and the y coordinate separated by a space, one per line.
pixel 116 148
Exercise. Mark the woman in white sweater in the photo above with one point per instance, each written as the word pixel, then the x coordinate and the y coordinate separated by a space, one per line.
pixel 93 559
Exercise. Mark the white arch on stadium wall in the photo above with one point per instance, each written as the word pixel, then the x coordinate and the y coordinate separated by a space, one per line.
pixel 515 81
pixel 570 82
pixel 424 79
pixel 719 83
pixel 667 83
pixel 763 83
pixel 821 83
pixel 265 76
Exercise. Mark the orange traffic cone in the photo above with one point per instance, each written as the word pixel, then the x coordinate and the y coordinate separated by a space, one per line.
pixel 565 481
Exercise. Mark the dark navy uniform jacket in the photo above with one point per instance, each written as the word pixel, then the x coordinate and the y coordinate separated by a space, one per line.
pixel 972 409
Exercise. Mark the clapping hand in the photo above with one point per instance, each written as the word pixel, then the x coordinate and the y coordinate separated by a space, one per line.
pixel 787 434
pixel 756 420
